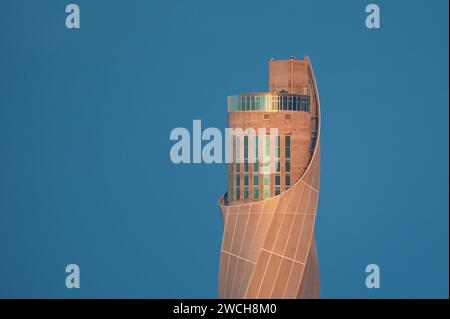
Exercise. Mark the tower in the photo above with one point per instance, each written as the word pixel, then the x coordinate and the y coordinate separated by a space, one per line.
pixel 268 248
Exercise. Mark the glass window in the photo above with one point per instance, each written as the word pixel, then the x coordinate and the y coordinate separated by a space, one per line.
pixel 230 188
pixel 255 193
pixel 266 192
pixel 282 102
pixel 277 146
pixel 275 103
pixel 255 180
pixel 277 191
pixel 267 144
pixel 245 147
pixel 277 165
pixel 287 146
pixel 277 153
pixel 288 152
pixel 238 168
pixel 288 166
pixel 246 180
pixel 262 104
pixel 238 193
pixel 288 180
pixel 266 157
pixel 246 193
pixel 288 140
pixel 266 186
pixel 277 179
pixel 238 149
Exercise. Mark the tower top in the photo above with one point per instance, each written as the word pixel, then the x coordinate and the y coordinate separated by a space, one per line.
pixel 288 76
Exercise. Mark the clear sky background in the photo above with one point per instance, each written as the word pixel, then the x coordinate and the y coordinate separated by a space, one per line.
pixel 85 118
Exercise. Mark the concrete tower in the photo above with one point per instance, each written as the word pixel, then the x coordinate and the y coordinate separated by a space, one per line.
pixel 268 247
